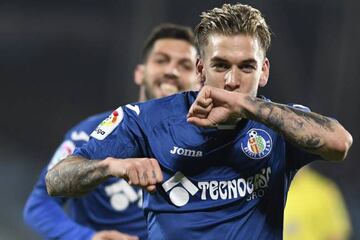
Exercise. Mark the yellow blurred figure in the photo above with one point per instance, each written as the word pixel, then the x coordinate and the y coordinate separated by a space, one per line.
pixel 315 209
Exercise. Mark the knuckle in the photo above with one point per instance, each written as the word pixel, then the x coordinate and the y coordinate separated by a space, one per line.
pixel 138 164
pixel 131 166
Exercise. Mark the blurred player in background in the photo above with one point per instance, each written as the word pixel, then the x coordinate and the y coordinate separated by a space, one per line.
pixel 113 210
pixel 315 209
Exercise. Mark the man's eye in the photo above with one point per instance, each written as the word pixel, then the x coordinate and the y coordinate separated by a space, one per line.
pixel 248 68
pixel 160 60
pixel 220 66
pixel 187 66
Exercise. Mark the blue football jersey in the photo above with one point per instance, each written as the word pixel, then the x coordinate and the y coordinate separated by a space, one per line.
pixel 113 205
pixel 223 183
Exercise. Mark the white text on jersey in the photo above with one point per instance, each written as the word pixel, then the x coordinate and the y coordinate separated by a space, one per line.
pixel 186 152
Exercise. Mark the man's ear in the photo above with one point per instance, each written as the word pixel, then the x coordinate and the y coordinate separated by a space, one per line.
pixel 200 75
pixel 139 74
pixel 265 70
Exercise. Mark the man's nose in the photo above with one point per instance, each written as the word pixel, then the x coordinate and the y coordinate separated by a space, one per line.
pixel 172 70
pixel 232 81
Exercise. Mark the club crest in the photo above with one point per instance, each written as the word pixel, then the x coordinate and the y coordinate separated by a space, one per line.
pixel 256 144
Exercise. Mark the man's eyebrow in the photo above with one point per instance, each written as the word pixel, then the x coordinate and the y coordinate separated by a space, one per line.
pixel 160 53
pixel 218 59
pixel 246 61
pixel 249 61
pixel 164 54
pixel 185 59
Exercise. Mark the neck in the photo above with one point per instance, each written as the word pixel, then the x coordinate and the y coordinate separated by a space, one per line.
pixel 142 95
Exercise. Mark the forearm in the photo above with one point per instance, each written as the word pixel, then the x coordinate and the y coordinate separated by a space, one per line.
pixel 307 130
pixel 75 176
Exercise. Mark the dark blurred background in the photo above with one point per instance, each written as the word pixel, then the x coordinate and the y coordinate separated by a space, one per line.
pixel 61 61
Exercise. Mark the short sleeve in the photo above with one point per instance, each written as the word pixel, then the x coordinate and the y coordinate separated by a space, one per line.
pixel 119 136
pixel 296 157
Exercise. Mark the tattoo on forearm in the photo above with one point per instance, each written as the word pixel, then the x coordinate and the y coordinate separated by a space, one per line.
pixel 75 177
pixel 302 128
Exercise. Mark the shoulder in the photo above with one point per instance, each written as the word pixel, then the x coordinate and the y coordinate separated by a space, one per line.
pixel 96 119
pixel 159 109
pixel 82 130
pixel 293 105
pixel 181 100
pixel 138 116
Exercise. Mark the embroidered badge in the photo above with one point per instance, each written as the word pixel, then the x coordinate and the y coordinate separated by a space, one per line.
pixel 256 144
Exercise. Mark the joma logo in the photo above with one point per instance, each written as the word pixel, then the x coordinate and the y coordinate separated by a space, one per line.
pixel 186 152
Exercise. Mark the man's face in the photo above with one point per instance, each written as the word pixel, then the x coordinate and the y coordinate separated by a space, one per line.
pixel 234 63
pixel 169 68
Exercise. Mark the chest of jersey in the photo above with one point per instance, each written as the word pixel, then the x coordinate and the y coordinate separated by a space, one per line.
pixel 206 168
pixel 194 151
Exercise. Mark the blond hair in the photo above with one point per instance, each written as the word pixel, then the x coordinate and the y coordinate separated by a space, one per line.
pixel 231 20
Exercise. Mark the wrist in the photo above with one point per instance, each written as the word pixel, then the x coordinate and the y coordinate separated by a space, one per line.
pixel 114 167
pixel 108 165
pixel 244 105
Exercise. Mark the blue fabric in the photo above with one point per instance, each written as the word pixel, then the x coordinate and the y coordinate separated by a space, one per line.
pixel 114 205
pixel 218 184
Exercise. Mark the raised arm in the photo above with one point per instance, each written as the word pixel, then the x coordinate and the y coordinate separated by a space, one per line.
pixel 309 131
pixel 76 175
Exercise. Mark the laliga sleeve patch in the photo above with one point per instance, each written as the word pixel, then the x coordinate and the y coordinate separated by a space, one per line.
pixel 65 149
pixel 108 125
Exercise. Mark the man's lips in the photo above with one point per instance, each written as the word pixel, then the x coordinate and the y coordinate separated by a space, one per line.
pixel 168 88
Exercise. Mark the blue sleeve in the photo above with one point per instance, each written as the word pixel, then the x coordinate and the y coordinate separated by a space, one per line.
pixel 296 157
pixel 45 215
pixel 122 138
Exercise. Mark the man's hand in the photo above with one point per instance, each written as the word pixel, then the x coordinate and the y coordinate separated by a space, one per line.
pixel 215 106
pixel 113 235
pixel 142 172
